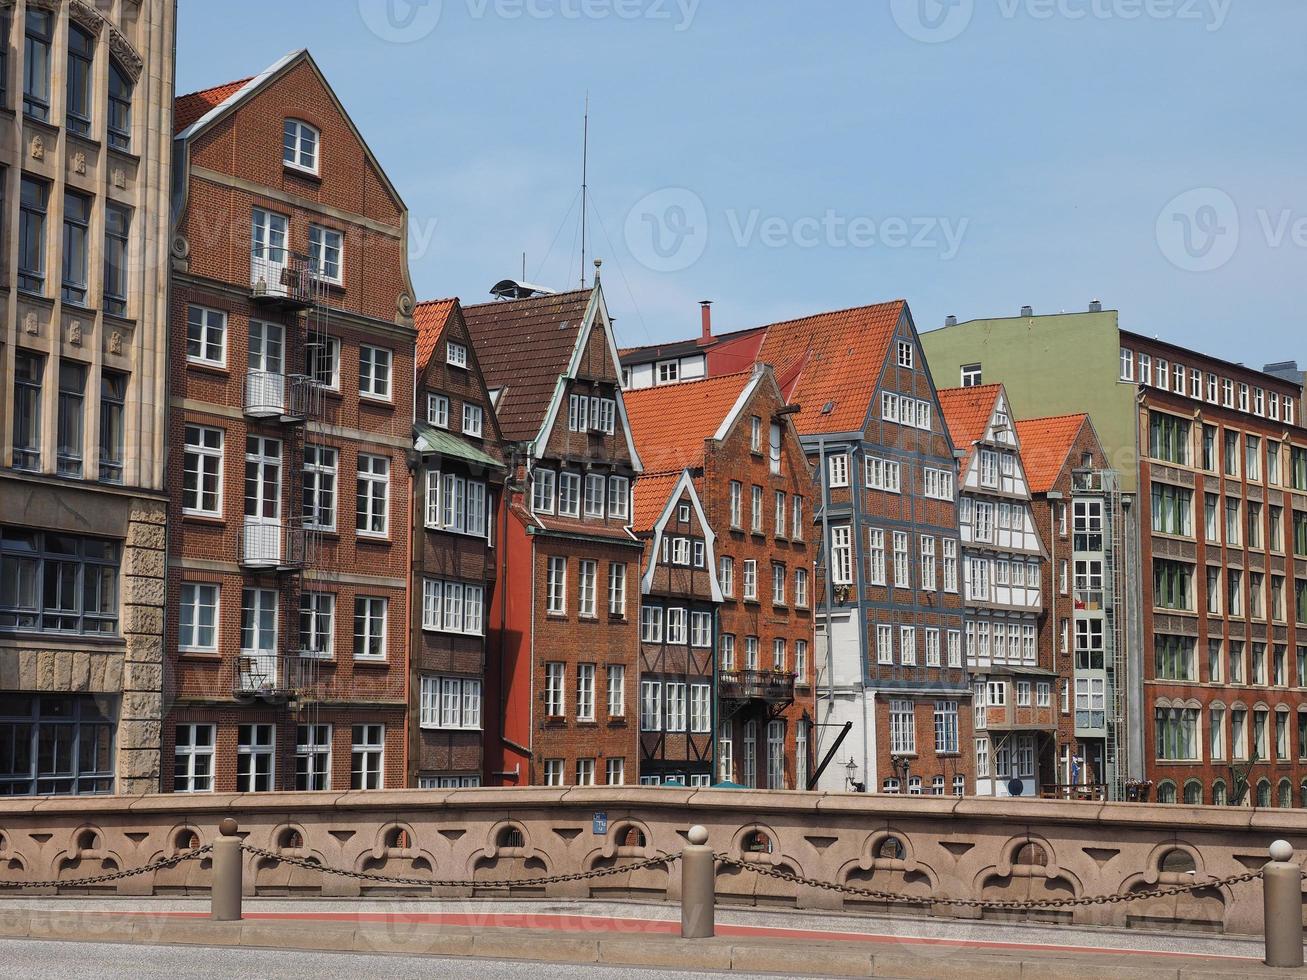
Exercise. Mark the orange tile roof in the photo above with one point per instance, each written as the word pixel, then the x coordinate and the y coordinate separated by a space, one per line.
pixel 1045 445
pixel 190 108
pixel 430 318
pixel 651 494
pixel 670 423
pixel 831 358
pixel 967 412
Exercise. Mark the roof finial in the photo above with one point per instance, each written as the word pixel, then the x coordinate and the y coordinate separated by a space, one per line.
pixel 598 264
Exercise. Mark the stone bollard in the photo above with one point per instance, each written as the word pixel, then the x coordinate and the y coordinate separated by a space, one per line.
pixel 1282 902
pixel 225 893
pixel 698 887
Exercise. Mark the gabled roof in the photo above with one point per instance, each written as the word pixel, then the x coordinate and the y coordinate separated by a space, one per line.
pixel 430 318
pixel 967 412
pixel 1045 445
pixel 651 494
pixel 189 108
pixel 524 346
pixel 670 424
pixel 832 358
pixel 672 487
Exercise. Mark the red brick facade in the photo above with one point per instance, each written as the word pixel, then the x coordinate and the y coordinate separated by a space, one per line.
pixel 249 544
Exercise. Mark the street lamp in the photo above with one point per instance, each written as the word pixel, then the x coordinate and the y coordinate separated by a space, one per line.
pixel 851 768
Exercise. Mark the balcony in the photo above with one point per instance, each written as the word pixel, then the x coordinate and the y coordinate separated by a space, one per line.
pixel 286 397
pixel 773 687
pixel 280 279
pixel 277 545
pixel 274 676
pixel 1089 600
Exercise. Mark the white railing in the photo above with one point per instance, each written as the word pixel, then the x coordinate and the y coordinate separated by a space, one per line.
pixel 265 393
pixel 261 543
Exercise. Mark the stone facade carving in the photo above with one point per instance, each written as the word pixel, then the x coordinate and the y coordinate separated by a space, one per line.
pixel 119 178
pixel 79 162
pixel 37 147
pixel 86 15
pixel 75 333
pixel 30 324
pixel 115 342
pixel 126 54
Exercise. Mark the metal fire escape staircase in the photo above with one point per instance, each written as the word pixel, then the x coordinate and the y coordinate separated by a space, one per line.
pixel 286 291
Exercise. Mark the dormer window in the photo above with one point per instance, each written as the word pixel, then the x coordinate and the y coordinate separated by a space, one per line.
pixel 905 354
pixel 456 354
pixel 300 147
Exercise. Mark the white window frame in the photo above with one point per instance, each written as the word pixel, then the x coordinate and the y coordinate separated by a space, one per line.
pixel 375 372
pixel 375 612
pixel 205 457
pixel 194 780
pixel 556 586
pixel 456 354
pixel 373 475
pixel 195 591
pixel 294 142
pixel 473 420
pixel 207 326
pixel 322 240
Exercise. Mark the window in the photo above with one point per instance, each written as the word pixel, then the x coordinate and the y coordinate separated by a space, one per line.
pixel 456 504
pixel 755 513
pixel 456 354
pixel 117 224
pixel 553 772
pixel 254 758
pixel 1168 438
pixel 327 253
pixel 796 520
pixel 619 497
pixel 938 484
pixel 317 624
pixel 778 576
pixel 452 607
pixel 556 587
pixel 77 222
pixel 616 589
pixel 373 485
pixel 676 625
pixel 669 372
pixel 206 336
pixel 902 576
pixel 1273 475
pixel 750 653
pixel 651 706
pixel 1172 510
pixel 569 494
pixel 323 360
pixel 312 757
pixel 542 491
pixel 198 617
pixel 726 575
pixel 726 652
pixel 841 556
pixel 1176 731
pixel 903 735
pixel 374 373
pixel 438 411
pixel 884 644
pixel 1211 518
pixel 585 772
pixel 950 565
pixel 300 146
pixel 555 680
pixel 838 467
pixel 594 495
pixel 72 401
pixel 774 448
pixel 58 583
pixel 258 621
pixel 1252 461
pixel 750 579
pixel 113 401
pixel 801 661
pixel 674 697
pixel 906 351
pixel 369 628
pixel 320 487
pixel 1233 524
pixel 1172 585
pixel 120 107
pixel 971 374
pixel 616 690
pixel 366 755
pixel 1174 658
pixel 928 563
pixel 736 504
pixel 31 235
pixel 36 64
pixel 801 588
pixel 472 420
pixel 589 573
pixel 778 514
pixel 585 692
pixel 701 629
pixel 193 759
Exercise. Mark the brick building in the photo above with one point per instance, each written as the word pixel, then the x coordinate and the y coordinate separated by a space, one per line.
pixel 86 95
pixel 1077 513
pixel 679 596
pixel 458 482
pixel 892 683
pixel 736 435
pixel 1013 681
pixel 291 415
pixel 562 672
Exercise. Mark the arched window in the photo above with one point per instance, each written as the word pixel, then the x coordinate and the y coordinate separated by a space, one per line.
pixel 1302 794
pixel 890 849
pixel 1220 796
pixel 1284 794
pixel 300 147
pixel 1264 793
pixel 120 107
pixel 1177 862
pixel 1193 792
pixel 1166 792
pixel 1031 854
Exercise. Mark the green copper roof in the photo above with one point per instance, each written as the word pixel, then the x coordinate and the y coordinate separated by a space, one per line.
pixel 429 439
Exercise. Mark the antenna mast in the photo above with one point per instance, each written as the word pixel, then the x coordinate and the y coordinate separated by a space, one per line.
pixel 585 167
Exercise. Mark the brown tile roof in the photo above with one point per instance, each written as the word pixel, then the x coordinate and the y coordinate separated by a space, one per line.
pixel 651 493
pixel 523 346
pixel 1045 445
pixel 669 424
pixel 967 412
pixel 190 108
pixel 430 318
pixel 833 358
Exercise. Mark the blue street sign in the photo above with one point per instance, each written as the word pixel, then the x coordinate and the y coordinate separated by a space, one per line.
pixel 600 822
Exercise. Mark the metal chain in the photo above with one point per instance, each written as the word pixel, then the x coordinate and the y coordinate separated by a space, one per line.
pixel 665 859
pixel 159 865
pixel 1162 892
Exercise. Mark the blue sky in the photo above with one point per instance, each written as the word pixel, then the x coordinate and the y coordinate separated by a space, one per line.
pixel 782 157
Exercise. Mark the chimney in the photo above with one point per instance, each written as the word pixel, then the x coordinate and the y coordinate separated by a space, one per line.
pixel 1027 311
pixel 950 320
pixel 705 312
pixel 1095 306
